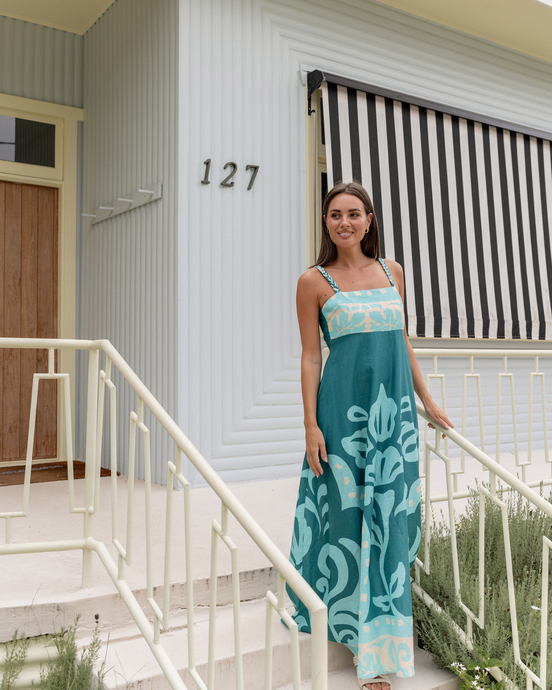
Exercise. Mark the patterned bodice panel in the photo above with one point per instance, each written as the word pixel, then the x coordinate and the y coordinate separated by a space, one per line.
pixel 362 311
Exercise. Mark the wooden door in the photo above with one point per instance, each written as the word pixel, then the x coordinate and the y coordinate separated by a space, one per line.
pixel 28 309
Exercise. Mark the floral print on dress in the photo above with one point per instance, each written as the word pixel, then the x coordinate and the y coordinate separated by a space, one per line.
pixel 365 584
pixel 369 311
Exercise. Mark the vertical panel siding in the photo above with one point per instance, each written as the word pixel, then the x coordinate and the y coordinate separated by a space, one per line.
pixel 129 142
pixel 241 252
pixel 241 100
pixel 40 63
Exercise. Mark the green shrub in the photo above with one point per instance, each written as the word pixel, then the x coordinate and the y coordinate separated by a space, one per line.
pixel 67 671
pixel 527 526
pixel 16 653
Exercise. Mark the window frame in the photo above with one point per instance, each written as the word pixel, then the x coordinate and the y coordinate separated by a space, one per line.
pixel 41 172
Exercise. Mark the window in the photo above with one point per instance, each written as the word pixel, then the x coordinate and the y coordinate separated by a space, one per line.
pixel 31 146
pixel 27 141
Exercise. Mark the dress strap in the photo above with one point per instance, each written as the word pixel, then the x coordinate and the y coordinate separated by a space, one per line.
pixel 328 277
pixel 384 265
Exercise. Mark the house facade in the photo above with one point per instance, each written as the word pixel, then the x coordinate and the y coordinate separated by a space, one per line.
pixel 203 107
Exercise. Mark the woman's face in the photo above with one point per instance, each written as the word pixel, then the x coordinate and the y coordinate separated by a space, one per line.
pixel 347 220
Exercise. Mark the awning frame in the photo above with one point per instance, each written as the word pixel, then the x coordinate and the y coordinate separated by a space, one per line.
pixel 316 77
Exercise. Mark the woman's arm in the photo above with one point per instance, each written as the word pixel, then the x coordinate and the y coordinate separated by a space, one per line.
pixel 430 406
pixel 311 366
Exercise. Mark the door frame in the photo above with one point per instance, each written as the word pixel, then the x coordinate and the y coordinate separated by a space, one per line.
pixel 64 178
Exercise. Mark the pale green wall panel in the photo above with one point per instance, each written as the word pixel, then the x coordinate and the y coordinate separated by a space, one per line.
pixel 40 63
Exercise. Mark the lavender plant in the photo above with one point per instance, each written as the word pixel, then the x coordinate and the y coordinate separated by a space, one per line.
pixel 436 633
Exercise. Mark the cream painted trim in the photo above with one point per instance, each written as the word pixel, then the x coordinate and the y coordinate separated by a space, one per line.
pixel 78 24
pixel 28 105
pixel 67 237
pixel 28 179
pixel 310 181
pixel 314 169
pixel 67 270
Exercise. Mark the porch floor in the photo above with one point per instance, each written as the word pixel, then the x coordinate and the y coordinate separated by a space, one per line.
pixel 55 578
pixel 41 583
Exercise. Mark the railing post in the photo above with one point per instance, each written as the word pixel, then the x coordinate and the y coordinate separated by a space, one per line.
pixel 90 468
pixel 319 660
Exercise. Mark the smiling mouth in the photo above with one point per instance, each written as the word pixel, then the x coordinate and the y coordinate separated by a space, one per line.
pixel 344 234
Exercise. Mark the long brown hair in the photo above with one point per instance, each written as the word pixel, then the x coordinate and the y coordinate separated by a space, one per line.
pixel 370 244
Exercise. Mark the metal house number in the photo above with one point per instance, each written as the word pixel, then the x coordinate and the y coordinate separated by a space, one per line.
pixel 234 168
pixel 226 182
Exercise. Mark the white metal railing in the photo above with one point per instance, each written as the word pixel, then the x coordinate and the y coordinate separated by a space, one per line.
pixel 534 359
pixel 499 478
pixel 101 382
pixel 98 382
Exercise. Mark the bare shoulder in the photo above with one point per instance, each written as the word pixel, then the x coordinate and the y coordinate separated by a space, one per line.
pixel 309 281
pixel 393 265
pixel 398 276
pixel 395 268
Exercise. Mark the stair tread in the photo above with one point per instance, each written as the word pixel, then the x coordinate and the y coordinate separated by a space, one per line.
pixel 252 626
pixel 131 661
pixel 427 677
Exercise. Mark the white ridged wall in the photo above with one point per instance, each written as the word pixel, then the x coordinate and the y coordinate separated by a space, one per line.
pixel 40 63
pixel 130 142
pixel 241 252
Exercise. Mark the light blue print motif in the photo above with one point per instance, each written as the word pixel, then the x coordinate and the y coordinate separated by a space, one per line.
pixel 357 525
pixel 367 311
pixel 390 317
pixel 347 320
pixel 381 423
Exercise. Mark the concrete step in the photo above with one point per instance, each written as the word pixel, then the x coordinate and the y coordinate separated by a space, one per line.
pixel 42 591
pixel 131 662
pixel 110 611
pixel 427 677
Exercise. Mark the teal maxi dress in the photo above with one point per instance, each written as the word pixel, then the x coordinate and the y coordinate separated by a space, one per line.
pixel 357 526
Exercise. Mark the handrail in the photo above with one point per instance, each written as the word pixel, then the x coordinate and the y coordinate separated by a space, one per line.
pixel 478 352
pixel 255 531
pixel 514 484
pixel 490 464
pixel 286 572
pixel 46 343
pixel 94 425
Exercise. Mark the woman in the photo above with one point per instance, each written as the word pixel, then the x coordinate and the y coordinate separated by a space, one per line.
pixel 357 523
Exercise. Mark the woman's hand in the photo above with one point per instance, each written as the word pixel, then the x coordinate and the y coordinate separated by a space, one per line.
pixel 316 449
pixel 436 413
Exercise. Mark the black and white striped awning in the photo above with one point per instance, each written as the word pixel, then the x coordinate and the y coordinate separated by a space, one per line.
pixel 465 205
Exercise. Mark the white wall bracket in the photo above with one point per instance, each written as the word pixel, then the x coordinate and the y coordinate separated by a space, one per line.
pixel 124 204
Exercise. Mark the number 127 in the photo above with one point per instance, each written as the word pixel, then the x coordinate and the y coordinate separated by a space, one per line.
pixel 226 182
